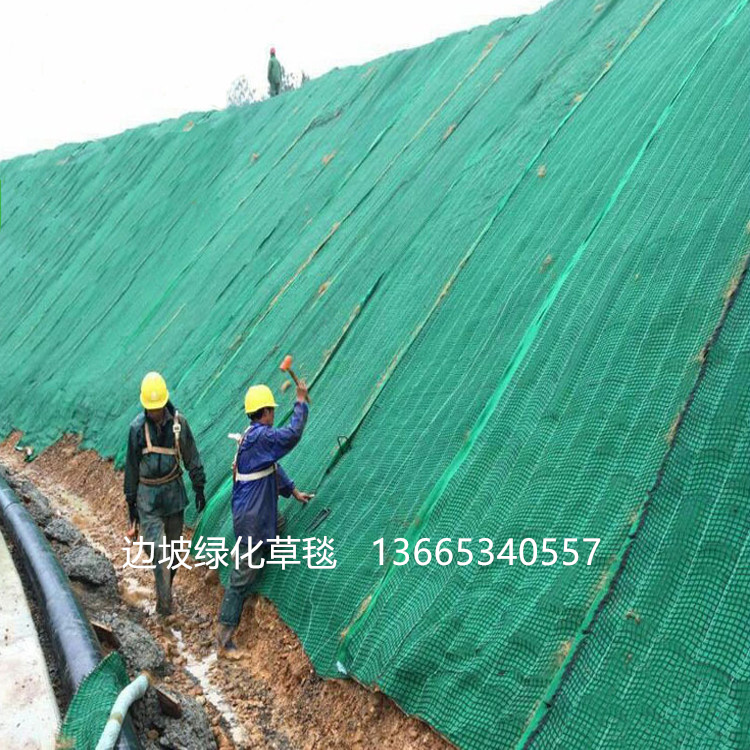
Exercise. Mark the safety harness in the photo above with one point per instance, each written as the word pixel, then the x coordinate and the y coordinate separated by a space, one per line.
pixel 253 476
pixel 175 452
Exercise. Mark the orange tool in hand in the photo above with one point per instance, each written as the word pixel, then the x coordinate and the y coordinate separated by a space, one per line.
pixel 286 366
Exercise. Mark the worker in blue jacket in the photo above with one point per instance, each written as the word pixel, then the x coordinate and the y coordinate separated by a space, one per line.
pixel 258 481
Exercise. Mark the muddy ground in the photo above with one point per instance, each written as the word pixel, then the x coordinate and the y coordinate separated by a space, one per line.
pixel 269 697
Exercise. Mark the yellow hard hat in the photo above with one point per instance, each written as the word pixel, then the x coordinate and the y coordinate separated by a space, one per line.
pixel 258 397
pixel 154 393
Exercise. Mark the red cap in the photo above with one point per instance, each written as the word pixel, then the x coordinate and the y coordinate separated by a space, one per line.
pixel 273 50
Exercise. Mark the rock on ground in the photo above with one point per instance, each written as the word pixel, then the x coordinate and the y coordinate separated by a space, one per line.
pixel 190 732
pixel 148 720
pixel 33 500
pixel 137 646
pixel 86 564
pixel 62 531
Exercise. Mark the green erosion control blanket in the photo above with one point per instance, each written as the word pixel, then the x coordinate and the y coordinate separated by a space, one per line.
pixel 512 264
pixel 90 708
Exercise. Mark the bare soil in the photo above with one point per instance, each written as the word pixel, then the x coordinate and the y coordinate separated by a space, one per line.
pixel 270 696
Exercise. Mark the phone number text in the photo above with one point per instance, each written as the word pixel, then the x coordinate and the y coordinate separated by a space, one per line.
pixel 527 551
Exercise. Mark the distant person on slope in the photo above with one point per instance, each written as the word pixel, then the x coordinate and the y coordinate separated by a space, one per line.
pixel 159 444
pixel 274 73
pixel 258 482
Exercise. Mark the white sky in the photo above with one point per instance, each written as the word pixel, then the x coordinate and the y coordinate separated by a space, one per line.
pixel 81 69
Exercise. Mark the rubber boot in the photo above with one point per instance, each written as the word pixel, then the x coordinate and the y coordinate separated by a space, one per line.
pixel 164 602
pixel 225 644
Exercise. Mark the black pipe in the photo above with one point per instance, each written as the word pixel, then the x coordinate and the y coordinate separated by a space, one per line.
pixel 75 645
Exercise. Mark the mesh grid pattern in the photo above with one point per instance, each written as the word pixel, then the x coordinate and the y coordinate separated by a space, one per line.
pixel 497 257
pixel 89 710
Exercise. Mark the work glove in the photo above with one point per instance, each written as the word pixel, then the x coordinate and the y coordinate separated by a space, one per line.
pixel 200 499
pixel 132 531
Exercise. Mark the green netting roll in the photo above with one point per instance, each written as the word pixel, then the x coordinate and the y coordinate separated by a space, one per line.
pixel 90 707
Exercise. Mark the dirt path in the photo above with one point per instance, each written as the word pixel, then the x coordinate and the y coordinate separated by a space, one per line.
pixel 271 697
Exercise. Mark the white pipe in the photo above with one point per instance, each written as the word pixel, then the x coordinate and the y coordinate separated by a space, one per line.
pixel 125 699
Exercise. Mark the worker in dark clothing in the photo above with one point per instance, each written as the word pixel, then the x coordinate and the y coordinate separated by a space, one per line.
pixel 274 73
pixel 258 482
pixel 160 443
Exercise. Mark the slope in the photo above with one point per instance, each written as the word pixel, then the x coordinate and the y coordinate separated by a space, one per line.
pixel 498 258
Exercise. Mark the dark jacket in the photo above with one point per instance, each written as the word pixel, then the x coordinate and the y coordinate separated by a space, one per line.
pixel 167 498
pixel 274 71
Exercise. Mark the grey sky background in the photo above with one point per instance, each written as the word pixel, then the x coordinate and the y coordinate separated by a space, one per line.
pixel 83 69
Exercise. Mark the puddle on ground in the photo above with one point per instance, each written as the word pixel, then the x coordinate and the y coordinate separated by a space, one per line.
pixel 199 668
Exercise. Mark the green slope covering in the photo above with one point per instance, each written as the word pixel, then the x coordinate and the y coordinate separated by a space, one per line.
pixel 90 708
pixel 511 262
